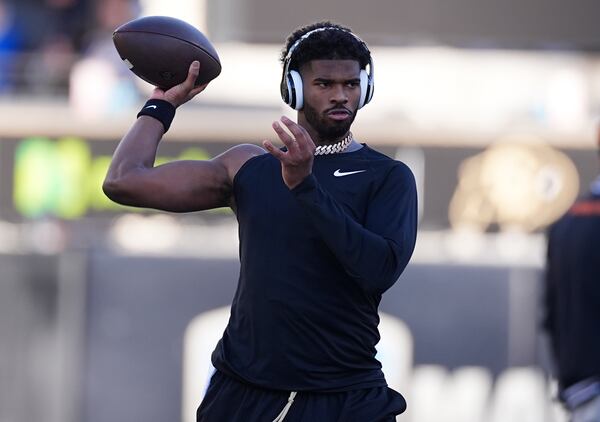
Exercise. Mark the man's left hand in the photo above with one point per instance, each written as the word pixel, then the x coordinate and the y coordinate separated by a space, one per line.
pixel 297 161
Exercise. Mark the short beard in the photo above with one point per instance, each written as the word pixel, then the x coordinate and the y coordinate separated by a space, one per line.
pixel 327 132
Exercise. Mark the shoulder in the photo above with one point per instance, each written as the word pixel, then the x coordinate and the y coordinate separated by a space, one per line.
pixel 579 212
pixel 391 169
pixel 398 177
pixel 373 154
pixel 400 170
pixel 234 158
pixel 243 152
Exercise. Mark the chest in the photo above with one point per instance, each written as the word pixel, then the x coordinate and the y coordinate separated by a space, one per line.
pixel 263 199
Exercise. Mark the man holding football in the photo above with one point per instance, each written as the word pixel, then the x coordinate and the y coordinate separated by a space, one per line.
pixel 327 225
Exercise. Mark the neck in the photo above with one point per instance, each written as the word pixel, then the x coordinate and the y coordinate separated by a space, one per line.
pixel 331 141
pixel 323 141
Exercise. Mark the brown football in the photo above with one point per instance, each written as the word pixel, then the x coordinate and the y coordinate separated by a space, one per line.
pixel 160 49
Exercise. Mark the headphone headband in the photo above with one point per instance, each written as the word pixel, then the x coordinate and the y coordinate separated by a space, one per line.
pixel 291 82
pixel 288 56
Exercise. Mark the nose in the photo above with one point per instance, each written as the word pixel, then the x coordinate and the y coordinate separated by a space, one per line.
pixel 339 94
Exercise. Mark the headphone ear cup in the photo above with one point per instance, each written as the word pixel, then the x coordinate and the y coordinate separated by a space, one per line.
pixel 284 88
pixel 370 89
pixel 295 89
pixel 364 88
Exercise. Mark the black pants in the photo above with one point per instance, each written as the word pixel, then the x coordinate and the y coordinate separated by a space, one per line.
pixel 228 400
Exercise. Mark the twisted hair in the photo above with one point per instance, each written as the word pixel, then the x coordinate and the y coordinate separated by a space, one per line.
pixel 337 43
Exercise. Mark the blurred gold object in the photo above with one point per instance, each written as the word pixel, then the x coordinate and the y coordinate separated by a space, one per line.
pixel 518 183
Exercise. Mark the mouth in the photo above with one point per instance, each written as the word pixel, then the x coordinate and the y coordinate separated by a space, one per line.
pixel 339 114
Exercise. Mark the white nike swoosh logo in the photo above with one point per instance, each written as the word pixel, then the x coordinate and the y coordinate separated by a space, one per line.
pixel 339 173
pixel 151 106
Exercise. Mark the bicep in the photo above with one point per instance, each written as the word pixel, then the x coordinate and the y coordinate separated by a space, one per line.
pixel 180 186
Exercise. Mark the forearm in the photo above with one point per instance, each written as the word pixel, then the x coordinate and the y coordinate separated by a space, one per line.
pixel 137 149
pixel 374 260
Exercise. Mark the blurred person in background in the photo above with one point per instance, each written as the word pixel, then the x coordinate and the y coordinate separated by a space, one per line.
pixel 115 87
pixel 572 304
pixel 108 15
pixel 54 31
pixel 326 226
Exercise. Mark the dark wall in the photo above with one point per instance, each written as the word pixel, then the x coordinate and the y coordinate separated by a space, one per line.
pixel 28 319
pixel 469 23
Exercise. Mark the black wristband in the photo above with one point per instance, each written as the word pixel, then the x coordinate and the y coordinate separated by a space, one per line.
pixel 161 110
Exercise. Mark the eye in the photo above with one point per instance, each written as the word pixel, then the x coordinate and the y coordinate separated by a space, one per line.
pixel 353 84
pixel 322 84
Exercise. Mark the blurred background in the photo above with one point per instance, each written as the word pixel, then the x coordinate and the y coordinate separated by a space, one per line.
pixel 109 313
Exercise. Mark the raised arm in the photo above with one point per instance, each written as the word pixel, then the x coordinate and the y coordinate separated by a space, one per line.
pixel 179 186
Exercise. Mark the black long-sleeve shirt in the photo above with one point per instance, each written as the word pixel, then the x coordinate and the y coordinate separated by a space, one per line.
pixel 315 261
pixel 573 291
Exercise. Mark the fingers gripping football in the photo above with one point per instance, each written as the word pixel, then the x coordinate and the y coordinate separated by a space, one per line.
pixel 185 91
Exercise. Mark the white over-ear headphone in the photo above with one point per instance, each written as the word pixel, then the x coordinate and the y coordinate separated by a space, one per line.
pixel 291 87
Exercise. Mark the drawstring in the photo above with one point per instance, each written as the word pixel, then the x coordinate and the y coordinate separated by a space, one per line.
pixel 280 417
